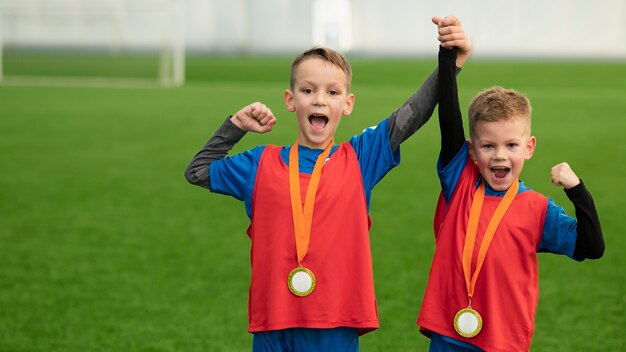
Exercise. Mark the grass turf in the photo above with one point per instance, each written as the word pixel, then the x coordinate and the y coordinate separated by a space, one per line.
pixel 105 247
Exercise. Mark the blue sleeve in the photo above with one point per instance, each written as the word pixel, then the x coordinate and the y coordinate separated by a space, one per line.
pixel 449 176
pixel 559 232
pixel 373 151
pixel 235 175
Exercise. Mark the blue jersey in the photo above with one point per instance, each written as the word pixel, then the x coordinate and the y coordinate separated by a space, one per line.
pixel 235 176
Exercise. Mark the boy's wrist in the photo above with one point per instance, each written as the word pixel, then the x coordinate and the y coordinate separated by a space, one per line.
pixel 447 56
pixel 231 130
pixel 461 58
pixel 576 189
pixel 235 122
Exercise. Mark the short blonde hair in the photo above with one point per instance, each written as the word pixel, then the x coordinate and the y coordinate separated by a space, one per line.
pixel 498 104
pixel 325 54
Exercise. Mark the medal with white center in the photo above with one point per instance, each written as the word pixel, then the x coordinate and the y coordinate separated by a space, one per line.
pixel 301 281
pixel 467 321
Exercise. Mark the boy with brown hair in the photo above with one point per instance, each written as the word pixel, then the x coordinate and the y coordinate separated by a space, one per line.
pixel 482 290
pixel 312 285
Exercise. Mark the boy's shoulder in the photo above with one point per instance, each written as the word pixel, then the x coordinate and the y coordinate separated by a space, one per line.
pixel 531 200
pixel 524 189
pixel 530 195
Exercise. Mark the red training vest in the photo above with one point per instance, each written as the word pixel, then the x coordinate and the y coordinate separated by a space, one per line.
pixel 506 292
pixel 339 250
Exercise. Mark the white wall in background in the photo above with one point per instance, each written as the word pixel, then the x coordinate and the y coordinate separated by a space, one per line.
pixel 511 28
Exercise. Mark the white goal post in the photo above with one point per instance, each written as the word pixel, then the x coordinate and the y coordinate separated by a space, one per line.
pixel 75 31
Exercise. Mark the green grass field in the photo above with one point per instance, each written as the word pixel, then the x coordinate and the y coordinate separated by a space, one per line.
pixel 105 247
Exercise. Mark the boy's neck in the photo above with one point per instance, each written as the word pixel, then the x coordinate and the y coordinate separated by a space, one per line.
pixel 491 191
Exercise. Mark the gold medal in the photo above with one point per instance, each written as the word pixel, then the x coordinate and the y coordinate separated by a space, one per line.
pixel 301 281
pixel 467 322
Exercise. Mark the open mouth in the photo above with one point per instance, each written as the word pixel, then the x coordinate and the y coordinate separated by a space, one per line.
pixel 318 121
pixel 500 172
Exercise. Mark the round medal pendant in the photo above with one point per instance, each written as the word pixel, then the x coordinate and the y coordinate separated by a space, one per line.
pixel 301 281
pixel 467 322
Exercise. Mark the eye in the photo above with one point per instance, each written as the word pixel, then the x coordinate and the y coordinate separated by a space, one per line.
pixel 334 92
pixel 307 90
pixel 511 145
pixel 487 146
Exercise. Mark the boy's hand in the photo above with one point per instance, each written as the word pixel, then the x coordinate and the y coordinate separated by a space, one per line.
pixel 255 117
pixel 451 34
pixel 562 175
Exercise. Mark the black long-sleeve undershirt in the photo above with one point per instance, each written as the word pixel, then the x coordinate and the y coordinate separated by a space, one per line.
pixel 450 118
pixel 589 238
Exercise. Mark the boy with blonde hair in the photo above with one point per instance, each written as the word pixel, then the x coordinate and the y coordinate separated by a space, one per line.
pixel 482 291
pixel 312 285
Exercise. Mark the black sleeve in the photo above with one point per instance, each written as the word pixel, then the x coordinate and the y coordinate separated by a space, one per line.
pixel 589 239
pixel 217 147
pixel 450 118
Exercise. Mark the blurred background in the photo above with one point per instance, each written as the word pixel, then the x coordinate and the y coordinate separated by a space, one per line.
pixel 169 30
pixel 560 28
pixel 104 246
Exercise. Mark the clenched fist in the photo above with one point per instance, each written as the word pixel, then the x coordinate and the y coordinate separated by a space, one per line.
pixel 255 117
pixel 562 175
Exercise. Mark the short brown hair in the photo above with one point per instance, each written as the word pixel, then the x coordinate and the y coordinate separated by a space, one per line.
pixel 325 54
pixel 497 104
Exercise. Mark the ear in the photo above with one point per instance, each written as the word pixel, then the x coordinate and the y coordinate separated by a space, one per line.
pixel 288 96
pixel 471 150
pixel 530 147
pixel 349 105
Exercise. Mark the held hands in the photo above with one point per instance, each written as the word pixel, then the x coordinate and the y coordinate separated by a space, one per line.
pixel 451 34
pixel 255 117
pixel 562 175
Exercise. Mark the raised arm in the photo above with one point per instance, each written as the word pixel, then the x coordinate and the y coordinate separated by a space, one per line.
pixel 216 148
pixel 414 113
pixel 255 117
pixel 417 110
pixel 589 238
pixel 450 119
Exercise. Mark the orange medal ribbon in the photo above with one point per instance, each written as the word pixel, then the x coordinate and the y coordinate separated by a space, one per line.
pixel 301 281
pixel 302 219
pixel 467 321
pixel 472 226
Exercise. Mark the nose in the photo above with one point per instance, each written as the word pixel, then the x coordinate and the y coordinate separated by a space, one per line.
pixel 500 154
pixel 320 99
